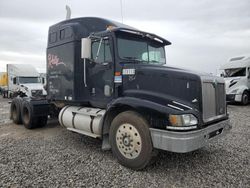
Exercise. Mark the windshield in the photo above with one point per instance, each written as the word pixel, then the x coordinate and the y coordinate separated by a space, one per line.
pixel 235 72
pixel 29 80
pixel 142 50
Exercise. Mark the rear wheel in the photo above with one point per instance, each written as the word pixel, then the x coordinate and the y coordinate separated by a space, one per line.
pixel 245 98
pixel 29 120
pixel 130 140
pixel 15 111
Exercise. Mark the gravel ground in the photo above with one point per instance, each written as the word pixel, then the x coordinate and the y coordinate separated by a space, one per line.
pixel 54 157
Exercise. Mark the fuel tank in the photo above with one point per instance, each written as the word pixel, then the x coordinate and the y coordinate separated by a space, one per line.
pixel 82 119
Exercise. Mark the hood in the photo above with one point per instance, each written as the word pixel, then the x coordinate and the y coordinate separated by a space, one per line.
pixel 230 81
pixel 31 88
pixel 235 85
pixel 163 84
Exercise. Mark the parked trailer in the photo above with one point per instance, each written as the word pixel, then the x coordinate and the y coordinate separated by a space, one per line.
pixel 3 83
pixel 108 80
pixel 236 73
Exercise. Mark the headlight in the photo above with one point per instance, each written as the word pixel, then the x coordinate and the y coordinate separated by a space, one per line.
pixel 182 122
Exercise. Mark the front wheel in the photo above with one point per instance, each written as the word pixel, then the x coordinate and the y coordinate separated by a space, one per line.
pixel 130 140
pixel 245 98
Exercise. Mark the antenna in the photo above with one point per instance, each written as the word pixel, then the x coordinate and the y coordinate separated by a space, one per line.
pixel 68 15
pixel 121 10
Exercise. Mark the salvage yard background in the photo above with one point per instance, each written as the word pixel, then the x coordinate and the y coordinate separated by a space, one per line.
pixel 52 157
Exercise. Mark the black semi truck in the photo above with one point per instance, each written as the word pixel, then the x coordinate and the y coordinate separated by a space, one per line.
pixel 109 81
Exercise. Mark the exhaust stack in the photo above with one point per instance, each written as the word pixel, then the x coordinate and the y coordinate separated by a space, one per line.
pixel 68 15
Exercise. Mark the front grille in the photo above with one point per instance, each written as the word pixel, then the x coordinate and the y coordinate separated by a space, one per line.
pixel 37 92
pixel 213 98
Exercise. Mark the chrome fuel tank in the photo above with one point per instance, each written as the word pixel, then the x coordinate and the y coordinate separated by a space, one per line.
pixel 83 120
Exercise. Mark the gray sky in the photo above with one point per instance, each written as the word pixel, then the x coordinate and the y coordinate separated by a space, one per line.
pixel 204 33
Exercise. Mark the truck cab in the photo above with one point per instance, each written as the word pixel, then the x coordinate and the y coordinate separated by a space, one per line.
pixel 237 78
pixel 110 81
pixel 24 80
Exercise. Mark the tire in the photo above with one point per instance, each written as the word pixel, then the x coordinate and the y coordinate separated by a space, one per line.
pixel 29 120
pixel 15 110
pixel 130 140
pixel 245 98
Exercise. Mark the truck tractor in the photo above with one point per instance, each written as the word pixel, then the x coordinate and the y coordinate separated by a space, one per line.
pixel 236 73
pixel 109 81
pixel 24 80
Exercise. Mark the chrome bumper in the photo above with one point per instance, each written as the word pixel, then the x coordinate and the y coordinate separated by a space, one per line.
pixel 182 142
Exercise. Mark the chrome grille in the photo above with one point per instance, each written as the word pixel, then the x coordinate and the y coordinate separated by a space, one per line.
pixel 213 98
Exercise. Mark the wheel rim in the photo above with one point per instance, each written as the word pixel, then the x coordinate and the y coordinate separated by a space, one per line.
pixel 128 141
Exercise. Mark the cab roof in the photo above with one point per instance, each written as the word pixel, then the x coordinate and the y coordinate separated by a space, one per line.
pixel 237 62
pixel 78 28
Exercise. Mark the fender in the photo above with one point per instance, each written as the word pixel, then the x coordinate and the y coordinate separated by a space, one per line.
pixel 39 107
pixel 139 104
pixel 142 104
pixel 241 89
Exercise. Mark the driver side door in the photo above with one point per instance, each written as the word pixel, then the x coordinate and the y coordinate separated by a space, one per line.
pixel 101 73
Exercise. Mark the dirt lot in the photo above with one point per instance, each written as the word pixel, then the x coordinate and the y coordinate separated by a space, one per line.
pixel 54 157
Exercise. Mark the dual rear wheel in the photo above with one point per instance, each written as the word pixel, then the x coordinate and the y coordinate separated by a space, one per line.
pixel 22 113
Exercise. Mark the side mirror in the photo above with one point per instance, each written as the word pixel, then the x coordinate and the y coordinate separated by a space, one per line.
pixel 86 48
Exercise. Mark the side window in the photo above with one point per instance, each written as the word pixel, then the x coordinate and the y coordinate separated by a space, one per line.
pixel 62 34
pixel 65 33
pixel 108 57
pixel 104 52
pixel 52 37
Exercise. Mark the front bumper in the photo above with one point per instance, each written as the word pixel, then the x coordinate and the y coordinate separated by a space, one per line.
pixel 230 97
pixel 183 142
pixel 233 97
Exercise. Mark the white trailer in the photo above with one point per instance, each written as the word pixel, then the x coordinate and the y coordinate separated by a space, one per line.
pixel 236 73
pixel 24 80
